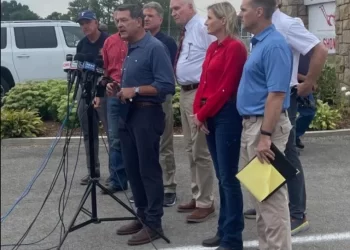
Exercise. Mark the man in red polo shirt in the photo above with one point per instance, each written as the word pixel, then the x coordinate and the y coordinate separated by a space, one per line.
pixel 114 52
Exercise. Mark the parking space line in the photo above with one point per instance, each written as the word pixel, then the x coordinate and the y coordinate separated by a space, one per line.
pixel 296 241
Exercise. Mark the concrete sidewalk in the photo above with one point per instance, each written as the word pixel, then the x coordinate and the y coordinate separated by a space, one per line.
pixel 326 162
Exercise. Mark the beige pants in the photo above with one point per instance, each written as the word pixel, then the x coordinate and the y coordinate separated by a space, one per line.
pixel 196 147
pixel 272 215
pixel 166 156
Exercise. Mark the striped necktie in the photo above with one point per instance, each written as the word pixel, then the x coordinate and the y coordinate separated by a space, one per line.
pixel 182 36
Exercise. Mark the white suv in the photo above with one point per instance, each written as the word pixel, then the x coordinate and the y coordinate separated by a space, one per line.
pixel 35 50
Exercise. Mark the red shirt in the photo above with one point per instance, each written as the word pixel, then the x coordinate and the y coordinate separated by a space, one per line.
pixel 114 52
pixel 221 72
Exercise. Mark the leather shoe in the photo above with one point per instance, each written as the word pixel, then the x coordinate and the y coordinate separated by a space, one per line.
pixel 212 242
pixel 201 214
pixel 146 235
pixel 113 190
pixel 131 228
pixel 187 207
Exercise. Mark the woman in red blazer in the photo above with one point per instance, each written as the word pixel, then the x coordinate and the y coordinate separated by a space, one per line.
pixel 215 113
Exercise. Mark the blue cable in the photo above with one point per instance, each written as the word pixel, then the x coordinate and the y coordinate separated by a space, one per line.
pixel 40 170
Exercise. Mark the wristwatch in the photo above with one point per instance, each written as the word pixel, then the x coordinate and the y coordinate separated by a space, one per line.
pixel 263 132
pixel 137 90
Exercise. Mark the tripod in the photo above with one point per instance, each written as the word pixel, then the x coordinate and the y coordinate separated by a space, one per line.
pixel 94 182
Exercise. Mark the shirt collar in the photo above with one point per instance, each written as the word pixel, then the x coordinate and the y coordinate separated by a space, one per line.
pixel 225 41
pixel 192 21
pixel 142 42
pixel 263 34
pixel 275 15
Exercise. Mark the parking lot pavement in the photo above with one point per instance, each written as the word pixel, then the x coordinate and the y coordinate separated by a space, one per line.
pixel 327 169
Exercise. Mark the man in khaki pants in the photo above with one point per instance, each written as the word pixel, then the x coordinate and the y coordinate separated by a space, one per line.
pixel 263 99
pixel 194 42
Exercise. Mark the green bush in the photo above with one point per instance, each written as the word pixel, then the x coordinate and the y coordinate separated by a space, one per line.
pixel 30 96
pixel 58 90
pixel 73 121
pixel 327 90
pixel 22 123
pixel 326 118
pixel 176 107
pixel 42 97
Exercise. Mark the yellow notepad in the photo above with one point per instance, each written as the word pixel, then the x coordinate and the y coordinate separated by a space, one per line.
pixel 261 179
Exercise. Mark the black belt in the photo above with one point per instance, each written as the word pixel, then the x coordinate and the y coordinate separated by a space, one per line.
pixel 247 117
pixel 204 100
pixel 144 104
pixel 189 87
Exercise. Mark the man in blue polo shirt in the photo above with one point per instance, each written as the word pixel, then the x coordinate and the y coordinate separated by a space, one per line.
pixel 91 44
pixel 147 78
pixel 263 99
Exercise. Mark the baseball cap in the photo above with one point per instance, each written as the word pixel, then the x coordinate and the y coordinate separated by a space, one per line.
pixel 86 15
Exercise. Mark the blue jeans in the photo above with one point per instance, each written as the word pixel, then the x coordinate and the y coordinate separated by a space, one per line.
pixel 306 115
pixel 224 142
pixel 118 178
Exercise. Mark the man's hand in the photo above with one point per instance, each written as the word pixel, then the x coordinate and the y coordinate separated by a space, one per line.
pixel 200 125
pixel 97 102
pixel 128 93
pixel 306 88
pixel 110 88
pixel 263 151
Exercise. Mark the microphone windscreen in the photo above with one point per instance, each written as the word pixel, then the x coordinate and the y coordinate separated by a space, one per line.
pixel 69 57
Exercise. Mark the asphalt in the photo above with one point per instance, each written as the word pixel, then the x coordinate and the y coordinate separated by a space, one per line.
pixel 326 163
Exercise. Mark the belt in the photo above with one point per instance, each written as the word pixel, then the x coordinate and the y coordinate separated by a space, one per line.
pixel 204 100
pixel 189 87
pixel 144 104
pixel 247 117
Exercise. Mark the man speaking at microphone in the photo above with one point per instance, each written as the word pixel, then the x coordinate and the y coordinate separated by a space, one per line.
pixel 147 78
pixel 91 44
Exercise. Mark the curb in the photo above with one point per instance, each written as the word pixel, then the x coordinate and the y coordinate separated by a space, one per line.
pixel 75 139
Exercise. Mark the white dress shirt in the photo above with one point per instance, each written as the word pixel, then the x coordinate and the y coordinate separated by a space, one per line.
pixel 194 49
pixel 298 37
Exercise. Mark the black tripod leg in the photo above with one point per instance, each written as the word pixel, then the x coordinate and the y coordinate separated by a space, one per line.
pixel 82 202
pixel 131 211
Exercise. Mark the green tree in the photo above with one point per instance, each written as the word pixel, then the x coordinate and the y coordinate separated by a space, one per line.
pixel 12 11
pixel 58 16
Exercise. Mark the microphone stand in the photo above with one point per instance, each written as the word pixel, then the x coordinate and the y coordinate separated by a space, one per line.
pixel 94 180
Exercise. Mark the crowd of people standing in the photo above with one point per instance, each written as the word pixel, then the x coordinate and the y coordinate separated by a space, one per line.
pixel 233 107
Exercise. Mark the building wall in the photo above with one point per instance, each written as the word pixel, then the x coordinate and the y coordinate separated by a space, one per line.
pixel 342 17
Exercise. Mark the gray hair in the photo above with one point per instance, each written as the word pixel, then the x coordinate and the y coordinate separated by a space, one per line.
pixel 156 6
pixel 269 6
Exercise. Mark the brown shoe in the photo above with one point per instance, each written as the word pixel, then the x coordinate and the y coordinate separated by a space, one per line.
pixel 187 207
pixel 146 235
pixel 131 228
pixel 201 214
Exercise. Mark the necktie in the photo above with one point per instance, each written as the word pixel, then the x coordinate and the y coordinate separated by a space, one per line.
pixel 182 36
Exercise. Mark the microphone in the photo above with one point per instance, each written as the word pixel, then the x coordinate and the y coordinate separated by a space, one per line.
pixel 77 64
pixel 67 66
pixel 100 88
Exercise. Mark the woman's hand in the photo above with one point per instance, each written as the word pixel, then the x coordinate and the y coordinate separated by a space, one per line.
pixel 200 125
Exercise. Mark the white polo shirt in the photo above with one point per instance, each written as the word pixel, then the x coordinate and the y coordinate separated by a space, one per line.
pixel 298 37
pixel 194 49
